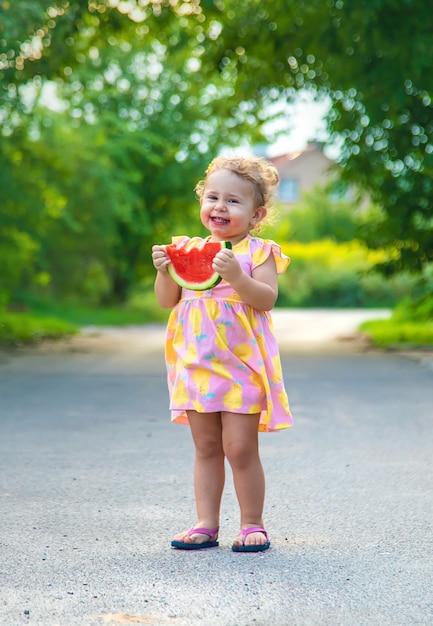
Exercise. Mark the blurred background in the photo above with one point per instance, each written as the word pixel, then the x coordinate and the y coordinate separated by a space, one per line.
pixel 111 110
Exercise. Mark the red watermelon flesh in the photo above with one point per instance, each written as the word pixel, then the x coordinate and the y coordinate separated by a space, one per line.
pixel 191 263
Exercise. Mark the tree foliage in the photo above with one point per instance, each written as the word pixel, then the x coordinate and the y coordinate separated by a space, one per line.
pixel 115 166
pixel 373 61
pixel 147 91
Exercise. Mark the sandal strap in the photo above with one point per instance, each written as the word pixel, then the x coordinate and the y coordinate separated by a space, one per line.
pixel 211 532
pixel 255 529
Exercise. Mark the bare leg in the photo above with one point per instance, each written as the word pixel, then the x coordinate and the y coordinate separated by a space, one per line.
pixel 209 472
pixel 241 446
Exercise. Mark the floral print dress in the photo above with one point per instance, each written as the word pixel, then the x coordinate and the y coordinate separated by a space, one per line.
pixel 222 354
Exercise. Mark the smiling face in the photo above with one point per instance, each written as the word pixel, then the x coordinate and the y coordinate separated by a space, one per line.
pixel 229 206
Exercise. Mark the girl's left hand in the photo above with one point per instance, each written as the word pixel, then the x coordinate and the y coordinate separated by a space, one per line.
pixel 227 265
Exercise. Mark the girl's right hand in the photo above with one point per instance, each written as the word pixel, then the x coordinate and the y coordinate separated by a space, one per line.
pixel 166 290
pixel 159 258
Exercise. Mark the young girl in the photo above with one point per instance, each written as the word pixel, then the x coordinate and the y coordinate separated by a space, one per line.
pixel 223 364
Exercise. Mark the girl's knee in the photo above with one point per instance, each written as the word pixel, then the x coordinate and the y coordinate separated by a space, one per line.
pixel 208 448
pixel 241 454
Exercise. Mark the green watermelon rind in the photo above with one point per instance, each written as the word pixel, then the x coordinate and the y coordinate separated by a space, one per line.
pixel 202 286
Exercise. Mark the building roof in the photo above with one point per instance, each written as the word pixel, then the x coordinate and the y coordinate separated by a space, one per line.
pixel 285 161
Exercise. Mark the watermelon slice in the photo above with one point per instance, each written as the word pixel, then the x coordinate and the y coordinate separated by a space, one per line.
pixel 191 263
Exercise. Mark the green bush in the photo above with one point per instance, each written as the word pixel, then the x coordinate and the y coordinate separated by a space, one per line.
pixel 141 308
pixel 381 291
pixel 327 212
pixel 391 333
pixel 411 324
pixel 16 328
pixel 330 274
pixel 330 267
pixel 318 215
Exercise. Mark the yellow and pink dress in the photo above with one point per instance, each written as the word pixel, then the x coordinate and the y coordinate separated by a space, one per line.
pixel 222 354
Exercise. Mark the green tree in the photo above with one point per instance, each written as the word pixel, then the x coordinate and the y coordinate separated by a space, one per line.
pixel 136 129
pixel 25 212
pixel 373 61
pixel 321 214
pixel 157 125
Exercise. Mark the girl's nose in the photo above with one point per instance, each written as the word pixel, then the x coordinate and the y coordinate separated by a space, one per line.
pixel 220 205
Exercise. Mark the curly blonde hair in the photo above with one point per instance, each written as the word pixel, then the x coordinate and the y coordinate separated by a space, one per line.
pixel 256 170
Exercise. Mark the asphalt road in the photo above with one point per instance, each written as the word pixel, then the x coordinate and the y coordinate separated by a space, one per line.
pixel 95 480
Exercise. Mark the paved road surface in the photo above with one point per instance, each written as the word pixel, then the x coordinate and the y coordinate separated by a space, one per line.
pixel 94 480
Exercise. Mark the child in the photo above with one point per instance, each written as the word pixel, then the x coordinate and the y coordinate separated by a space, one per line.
pixel 223 364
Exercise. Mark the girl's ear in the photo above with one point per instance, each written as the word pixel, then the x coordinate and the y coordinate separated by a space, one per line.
pixel 259 215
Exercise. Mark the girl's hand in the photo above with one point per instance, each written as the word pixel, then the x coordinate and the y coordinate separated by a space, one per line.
pixel 227 265
pixel 159 258
pixel 259 290
pixel 167 292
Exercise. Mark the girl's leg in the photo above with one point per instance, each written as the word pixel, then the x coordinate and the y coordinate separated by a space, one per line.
pixel 241 447
pixel 209 473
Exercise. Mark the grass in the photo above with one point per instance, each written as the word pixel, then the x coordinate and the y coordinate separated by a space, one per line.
pixel 104 316
pixel 141 309
pixel 51 320
pixel 398 334
pixel 18 328
pixel 410 326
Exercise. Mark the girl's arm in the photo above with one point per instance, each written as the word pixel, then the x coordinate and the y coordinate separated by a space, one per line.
pixel 167 292
pixel 259 290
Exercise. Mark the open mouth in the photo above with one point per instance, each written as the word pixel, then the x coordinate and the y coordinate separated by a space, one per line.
pixel 220 220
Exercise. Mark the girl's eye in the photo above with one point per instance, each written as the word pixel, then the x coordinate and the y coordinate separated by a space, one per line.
pixel 233 200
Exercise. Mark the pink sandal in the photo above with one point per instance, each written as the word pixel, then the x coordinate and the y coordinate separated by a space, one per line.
pixel 212 543
pixel 253 548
